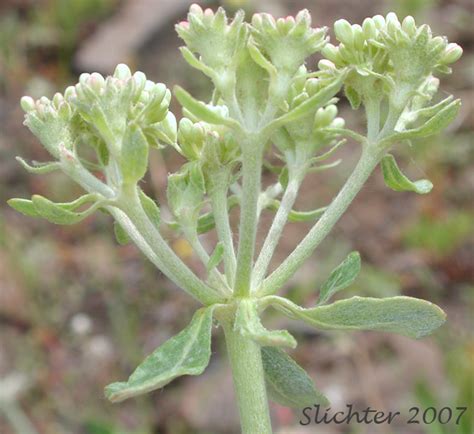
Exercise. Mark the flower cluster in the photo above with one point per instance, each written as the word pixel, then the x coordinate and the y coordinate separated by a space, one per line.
pixel 287 41
pixel 384 54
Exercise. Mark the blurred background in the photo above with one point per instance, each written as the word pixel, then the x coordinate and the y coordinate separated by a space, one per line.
pixel 77 311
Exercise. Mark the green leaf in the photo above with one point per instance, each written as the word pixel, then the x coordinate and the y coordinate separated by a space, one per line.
pixel 310 105
pixel 353 96
pixel 39 168
pixel 61 213
pixel 120 234
pixel 24 206
pixel 247 323
pixel 432 126
pixel 341 277
pixel 288 383
pixel 187 353
pixel 406 316
pixel 134 155
pixel 151 208
pixel 216 257
pixel 397 181
pixel 298 216
pixel 204 112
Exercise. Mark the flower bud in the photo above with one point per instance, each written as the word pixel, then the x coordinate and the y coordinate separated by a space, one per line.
pixel 451 54
pixel 331 52
pixel 122 72
pixel 369 28
pixel 27 104
pixel 358 35
pixel 379 22
pixel 409 26
pixel 343 31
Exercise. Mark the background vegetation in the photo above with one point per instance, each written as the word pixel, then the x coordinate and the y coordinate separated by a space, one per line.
pixel 77 311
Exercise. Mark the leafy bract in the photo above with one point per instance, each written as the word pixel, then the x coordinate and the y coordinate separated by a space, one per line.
pixel 396 180
pixel 341 277
pixel 288 383
pixel 406 316
pixel 187 353
pixel 212 114
pixel 247 323
pixel 216 257
pixel 134 156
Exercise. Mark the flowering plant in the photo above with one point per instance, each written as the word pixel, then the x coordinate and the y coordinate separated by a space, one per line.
pixel 265 102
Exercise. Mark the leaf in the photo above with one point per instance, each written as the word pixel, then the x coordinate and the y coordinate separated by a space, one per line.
pixel 134 155
pixel 39 168
pixel 341 277
pixel 187 353
pixel 353 96
pixel 316 101
pixel 120 234
pixel 397 181
pixel 151 208
pixel 432 126
pixel 24 206
pixel 204 112
pixel 216 257
pixel 261 60
pixel 193 61
pixel 406 316
pixel 247 322
pixel 288 383
pixel 60 213
pixel 298 216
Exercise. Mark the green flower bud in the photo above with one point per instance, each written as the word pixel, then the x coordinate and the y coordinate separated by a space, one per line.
pixel 343 31
pixel 369 28
pixel 452 53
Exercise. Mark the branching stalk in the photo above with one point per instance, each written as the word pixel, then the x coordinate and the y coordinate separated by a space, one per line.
pixel 367 162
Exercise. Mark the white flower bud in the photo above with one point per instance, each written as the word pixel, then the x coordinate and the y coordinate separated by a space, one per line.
pixel 122 72
pixel 379 22
pixel 27 104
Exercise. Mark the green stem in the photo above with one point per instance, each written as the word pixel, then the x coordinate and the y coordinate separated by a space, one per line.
pixel 224 231
pixel 251 172
pixel 249 382
pixel 216 278
pixel 275 231
pixel 164 257
pixel 367 162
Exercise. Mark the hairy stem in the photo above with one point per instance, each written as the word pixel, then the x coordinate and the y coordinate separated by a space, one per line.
pixel 216 278
pixel 167 261
pixel 275 231
pixel 249 382
pixel 224 231
pixel 252 169
pixel 367 162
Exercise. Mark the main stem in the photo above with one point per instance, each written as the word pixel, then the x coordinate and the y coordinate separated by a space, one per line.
pixel 251 172
pixel 249 382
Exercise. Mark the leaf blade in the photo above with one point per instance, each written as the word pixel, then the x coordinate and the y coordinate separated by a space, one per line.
pixel 407 316
pixel 247 323
pixel 187 353
pixel 288 383
pixel 341 277
pixel 397 181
